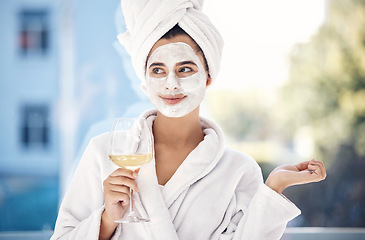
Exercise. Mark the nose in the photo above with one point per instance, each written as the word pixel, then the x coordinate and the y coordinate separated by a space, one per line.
pixel 171 82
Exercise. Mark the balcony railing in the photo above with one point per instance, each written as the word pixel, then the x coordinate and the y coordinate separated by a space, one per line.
pixel 303 233
pixel 290 234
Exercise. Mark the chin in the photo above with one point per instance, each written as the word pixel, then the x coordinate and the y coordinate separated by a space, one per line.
pixel 173 115
pixel 176 113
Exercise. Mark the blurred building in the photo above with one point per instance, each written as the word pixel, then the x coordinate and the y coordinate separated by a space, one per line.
pixel 61 70
pixel 28 86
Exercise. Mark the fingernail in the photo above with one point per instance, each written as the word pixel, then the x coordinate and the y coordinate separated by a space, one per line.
pixel 135 174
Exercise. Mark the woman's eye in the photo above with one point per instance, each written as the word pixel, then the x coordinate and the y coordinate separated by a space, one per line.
pixel 185 70
pixel 157 71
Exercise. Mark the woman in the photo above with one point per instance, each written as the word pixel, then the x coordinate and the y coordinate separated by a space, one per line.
pixel 195 188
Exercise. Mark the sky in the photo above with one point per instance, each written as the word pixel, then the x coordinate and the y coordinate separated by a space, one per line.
pixel 258 36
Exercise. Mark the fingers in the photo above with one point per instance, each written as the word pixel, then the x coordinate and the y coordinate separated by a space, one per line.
pixel 318 170
pixel 302 166
pixel 302 173
pixel 117 186
pixel 315 167
pixel 123 177
pixel 115 197
pixel 123 182
pixel 117 191
pixel 126 173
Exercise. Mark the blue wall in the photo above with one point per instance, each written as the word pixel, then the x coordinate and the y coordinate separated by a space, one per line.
pixel 104 86
pixel 26 80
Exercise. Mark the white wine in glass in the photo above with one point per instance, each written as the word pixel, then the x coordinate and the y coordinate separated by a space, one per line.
pixel 131 147
pixel 131 162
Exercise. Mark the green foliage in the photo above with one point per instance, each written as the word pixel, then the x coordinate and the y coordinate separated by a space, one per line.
pixel 326 88
pixel 323 100
pixel 247 120
pixel 240 113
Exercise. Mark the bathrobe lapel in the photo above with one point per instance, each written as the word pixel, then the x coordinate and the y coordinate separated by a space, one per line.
pixel 154 207
pixel 198 163
pixel 156 201
pixel 150 202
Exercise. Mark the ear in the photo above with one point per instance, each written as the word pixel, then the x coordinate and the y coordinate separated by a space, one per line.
pixel 209 80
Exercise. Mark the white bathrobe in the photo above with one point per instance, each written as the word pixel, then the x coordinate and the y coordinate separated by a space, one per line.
pixel 216 193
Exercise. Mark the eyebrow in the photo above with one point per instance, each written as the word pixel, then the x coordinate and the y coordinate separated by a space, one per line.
pixel 178 64
pixel 156 64
pixel 185 62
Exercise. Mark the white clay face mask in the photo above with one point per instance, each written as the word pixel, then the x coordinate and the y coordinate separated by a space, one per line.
pixel 175 79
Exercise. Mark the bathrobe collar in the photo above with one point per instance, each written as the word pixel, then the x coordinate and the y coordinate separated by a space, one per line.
pixel 197 165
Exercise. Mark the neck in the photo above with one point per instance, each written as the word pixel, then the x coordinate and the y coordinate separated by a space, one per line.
pixel 178 132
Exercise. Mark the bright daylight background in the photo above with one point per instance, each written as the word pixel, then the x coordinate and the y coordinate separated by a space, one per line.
pixel 291 88
pixel 261 33
pixel 259 36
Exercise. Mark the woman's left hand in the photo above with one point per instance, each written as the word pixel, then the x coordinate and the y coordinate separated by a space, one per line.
pixel 289 175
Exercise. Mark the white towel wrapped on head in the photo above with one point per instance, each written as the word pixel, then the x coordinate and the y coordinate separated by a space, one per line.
pixel 148 20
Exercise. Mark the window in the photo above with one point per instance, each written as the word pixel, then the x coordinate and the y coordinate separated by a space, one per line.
pixel 34 126
pixel 34 32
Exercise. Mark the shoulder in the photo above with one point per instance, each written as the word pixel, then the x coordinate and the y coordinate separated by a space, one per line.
pixel 101 138
pixel 99 143
pixel 97 148
pixel 96 156
pixel 240 161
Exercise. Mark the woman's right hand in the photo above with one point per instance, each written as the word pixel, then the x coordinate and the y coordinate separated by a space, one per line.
pixel 116 198
pixel 117 192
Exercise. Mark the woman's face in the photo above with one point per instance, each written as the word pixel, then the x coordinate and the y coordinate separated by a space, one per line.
pixel 176 79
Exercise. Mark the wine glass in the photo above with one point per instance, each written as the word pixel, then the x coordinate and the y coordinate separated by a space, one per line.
pixel 131 147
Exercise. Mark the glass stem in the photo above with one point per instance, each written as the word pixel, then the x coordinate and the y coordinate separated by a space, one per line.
pixel 131 204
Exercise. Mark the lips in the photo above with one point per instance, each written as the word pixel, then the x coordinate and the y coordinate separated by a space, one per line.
pixel 173 99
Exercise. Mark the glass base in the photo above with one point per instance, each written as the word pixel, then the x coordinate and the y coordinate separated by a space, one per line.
pixel 132 216
pixel 131 219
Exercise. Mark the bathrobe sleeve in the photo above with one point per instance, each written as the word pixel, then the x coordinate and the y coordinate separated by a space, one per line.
pixel 260 212
pixel 80 212
pixel 268 214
